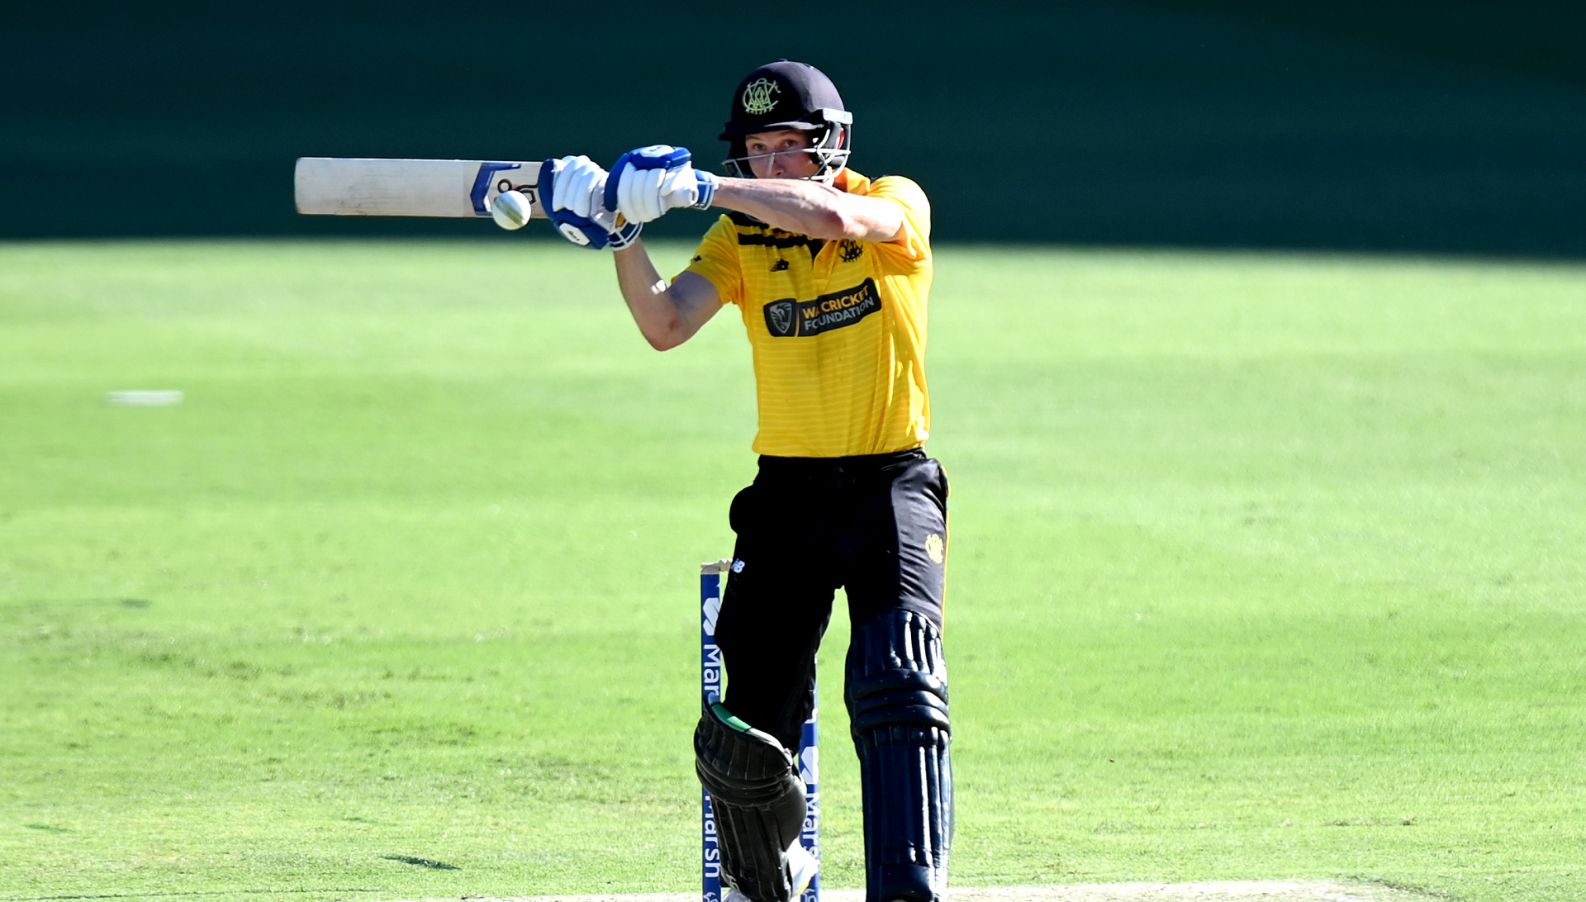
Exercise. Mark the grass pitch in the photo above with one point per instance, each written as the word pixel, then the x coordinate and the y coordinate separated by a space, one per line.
pixel 1262 567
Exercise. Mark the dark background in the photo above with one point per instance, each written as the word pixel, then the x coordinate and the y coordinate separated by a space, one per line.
pixel 1451 127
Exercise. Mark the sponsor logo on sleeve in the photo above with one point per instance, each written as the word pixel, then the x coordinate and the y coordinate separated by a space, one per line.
pixel 789 318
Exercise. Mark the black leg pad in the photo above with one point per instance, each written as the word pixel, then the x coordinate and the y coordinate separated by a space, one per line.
pixel 758 799
pixel 897 708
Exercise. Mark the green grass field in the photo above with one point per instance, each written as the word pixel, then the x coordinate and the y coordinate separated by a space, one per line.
pixel 1262 567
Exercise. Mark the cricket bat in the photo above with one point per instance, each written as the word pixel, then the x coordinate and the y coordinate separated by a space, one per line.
pixel 460 189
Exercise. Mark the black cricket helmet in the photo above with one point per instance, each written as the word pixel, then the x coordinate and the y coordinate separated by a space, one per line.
pixel 786 94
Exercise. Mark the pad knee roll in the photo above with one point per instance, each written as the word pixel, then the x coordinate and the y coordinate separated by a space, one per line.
pixel 758 800
pixel 897 709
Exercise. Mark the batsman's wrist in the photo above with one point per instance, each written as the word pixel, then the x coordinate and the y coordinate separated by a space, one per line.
pixel 707 190
pixel 625 236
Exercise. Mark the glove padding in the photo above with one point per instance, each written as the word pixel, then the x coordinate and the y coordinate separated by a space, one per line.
pixel 570 191
pixel 646 182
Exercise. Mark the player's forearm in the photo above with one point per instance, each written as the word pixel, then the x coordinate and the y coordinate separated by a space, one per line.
pixel 810 208
pixel 645 292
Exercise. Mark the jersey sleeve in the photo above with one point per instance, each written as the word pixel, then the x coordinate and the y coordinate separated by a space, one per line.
pixel 913 248
pixel 716 259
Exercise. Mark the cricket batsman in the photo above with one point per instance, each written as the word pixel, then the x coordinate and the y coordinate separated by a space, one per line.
pixel 831 273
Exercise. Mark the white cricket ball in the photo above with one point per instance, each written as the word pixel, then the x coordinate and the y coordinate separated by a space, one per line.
pixel 511 210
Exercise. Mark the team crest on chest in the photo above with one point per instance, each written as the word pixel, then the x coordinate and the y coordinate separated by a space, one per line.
pixel 779 318
pixel 850 250
pixel 759 96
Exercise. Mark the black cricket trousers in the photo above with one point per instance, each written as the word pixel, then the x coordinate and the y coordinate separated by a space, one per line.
pixel 875 525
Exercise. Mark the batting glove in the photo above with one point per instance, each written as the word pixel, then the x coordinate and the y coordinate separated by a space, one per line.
pixel 646 182
pixel 570 190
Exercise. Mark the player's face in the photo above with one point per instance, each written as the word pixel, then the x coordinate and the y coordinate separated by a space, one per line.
pixel 781 154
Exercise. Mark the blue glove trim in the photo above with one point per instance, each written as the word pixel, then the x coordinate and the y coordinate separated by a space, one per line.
pixel 651 157
pixel 707 189
pixel 643 158
pixel 579 230
pixel 625 235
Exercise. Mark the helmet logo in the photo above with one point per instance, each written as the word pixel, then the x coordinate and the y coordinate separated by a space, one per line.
pixel 759 96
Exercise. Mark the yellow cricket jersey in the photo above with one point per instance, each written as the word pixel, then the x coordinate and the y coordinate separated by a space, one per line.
pixel 837 327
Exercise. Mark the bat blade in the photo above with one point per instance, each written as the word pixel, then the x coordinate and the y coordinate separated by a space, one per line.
pixel 458 189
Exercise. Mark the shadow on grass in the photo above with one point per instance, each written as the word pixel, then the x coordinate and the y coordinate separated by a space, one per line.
pixel 422 862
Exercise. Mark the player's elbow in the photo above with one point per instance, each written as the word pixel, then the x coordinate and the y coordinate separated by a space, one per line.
pixel 663 341
pixel 666 336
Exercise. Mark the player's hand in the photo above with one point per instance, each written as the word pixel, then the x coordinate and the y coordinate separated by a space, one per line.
pixel 571 190
pixel 647 182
